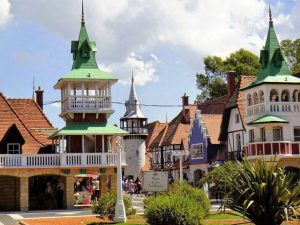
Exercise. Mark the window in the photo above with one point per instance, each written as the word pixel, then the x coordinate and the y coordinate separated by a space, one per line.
pixel 263 134
pixel 277 133
pixel 237 118
pixel 197 151
pixel 137 152
pixel 297 133
pixel 238 142
pixel 13 148
pixel 251 135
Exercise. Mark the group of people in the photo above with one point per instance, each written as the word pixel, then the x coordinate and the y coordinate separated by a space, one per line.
pixel 86 190
pixel 131 187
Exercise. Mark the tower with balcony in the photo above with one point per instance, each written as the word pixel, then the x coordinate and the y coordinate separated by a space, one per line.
pixel 135 123
pixel 273 104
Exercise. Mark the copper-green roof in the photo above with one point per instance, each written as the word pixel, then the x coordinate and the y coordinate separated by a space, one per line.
pixel 268 119
pixel 88 128
pixel 84 60
pixel 273 65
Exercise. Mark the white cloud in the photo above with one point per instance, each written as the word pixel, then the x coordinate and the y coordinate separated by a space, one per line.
pixel 143 70
pixel 56 105
pixel 5 15
pixel 194 27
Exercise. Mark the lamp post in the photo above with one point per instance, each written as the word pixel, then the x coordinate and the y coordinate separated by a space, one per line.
pixel 180 154
pixel 120 214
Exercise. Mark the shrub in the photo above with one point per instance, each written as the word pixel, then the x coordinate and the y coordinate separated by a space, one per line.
pixel 186 190
pixel 173 209
pixel 105 206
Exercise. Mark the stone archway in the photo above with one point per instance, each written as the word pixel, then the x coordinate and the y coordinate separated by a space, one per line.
pixel 10 193
pixel 44 192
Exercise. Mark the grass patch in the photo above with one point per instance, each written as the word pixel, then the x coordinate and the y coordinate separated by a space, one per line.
pixel 227 215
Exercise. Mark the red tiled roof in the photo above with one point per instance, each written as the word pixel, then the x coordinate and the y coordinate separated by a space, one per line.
pixel 11 113
pixel 154 130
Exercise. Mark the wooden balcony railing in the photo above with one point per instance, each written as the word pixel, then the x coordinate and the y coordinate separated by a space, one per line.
pixel 60 160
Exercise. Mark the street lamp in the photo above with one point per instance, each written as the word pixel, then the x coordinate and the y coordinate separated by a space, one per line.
pixel 120 214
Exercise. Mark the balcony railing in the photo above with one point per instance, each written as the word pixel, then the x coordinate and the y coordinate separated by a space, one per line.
pixel 79 102
pixel 273 107
pixel 272 148
pixel 60 160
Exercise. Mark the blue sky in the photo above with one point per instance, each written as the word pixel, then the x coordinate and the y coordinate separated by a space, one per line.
pixel 162 41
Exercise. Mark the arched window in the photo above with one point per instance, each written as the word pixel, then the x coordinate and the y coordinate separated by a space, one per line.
pixel 295 96
pixel 249 100
pixel 261 96
pixel 285 96
pixel 255 98
pixel 274 96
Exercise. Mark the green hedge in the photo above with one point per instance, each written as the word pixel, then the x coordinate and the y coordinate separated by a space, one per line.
pixel 105 206
pixel 182 204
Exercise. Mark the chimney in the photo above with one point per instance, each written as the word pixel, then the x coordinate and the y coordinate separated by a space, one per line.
pixel 230 82
pixel 185 100
pixel 185 109
pixel 39 97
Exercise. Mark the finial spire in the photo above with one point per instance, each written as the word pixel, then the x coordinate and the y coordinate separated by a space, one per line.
pixel 82 12
pixel 132 79
pixel 33 88
pixel 270 15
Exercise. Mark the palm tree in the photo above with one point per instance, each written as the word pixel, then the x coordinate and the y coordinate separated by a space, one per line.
pixel 261 191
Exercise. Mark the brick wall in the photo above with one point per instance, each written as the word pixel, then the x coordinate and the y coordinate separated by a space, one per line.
pixel 10 189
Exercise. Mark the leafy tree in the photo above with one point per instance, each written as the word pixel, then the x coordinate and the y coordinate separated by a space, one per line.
pixel 213 82
pixel 292 53
pixel 261 191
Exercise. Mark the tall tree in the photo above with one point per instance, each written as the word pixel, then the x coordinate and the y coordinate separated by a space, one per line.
pixel 213 82
pixel 292 53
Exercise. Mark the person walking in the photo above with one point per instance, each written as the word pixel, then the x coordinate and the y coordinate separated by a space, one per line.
pixel 138 186
pixel 97 189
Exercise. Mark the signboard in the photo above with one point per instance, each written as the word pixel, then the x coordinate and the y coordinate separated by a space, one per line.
pixel 156 181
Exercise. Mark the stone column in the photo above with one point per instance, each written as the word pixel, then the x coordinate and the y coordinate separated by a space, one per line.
pixel 24 194
pixel 103 187
pixel 113 183
pixel 69 192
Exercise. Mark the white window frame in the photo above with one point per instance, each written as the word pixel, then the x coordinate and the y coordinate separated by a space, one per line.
pixel 295 137
pixel 262 134
pixel 281 133
pixel 251 136
pixel 200 151
pixel 13 151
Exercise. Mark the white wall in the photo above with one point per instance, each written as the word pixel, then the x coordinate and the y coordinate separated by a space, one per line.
pixel 234 129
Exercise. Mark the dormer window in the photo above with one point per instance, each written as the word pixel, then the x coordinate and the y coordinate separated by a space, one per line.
pixel 13 148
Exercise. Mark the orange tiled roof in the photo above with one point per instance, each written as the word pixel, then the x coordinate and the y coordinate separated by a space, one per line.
pixel 154 130
pixel 178 131
pixel 213 125
pixel 14 114
pixel 34 118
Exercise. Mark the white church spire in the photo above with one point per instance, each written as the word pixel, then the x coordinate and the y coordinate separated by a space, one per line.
pixel 133 106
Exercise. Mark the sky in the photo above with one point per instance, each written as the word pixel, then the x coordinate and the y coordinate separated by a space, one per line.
pixel 163 42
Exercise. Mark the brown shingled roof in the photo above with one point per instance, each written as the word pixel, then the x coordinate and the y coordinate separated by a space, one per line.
pixel 213 106
pixel 154 129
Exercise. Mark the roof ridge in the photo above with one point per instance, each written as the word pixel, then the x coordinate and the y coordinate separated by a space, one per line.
pixel 16 114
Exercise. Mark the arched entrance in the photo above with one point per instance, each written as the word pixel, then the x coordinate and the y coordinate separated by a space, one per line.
pixel 47 192
pixel 10 193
